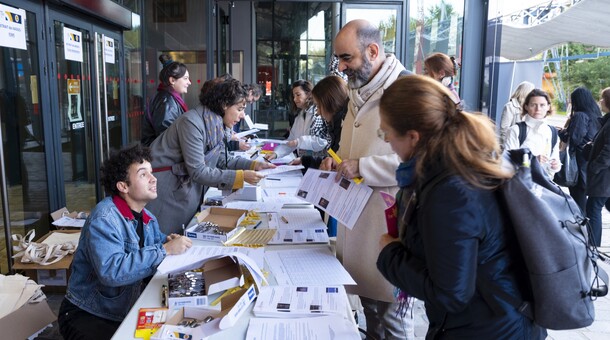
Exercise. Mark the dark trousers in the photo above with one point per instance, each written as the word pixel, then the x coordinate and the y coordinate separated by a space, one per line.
pixel 76 324
pixel 594 213
pixel 579 195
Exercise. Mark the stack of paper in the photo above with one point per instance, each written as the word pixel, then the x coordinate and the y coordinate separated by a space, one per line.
pixel 300 301
pixel 296 226
pixel 16 291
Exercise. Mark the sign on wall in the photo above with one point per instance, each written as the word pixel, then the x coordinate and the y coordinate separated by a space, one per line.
pixel 73 45
pixel 12 27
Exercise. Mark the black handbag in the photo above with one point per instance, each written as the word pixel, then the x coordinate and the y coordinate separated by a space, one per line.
pixel 567 176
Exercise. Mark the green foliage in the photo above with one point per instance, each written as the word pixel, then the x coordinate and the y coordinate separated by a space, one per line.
pixel 591 73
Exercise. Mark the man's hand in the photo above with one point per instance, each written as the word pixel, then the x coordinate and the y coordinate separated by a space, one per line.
pixel 177 245
pixel 171 237
pixel 349 169
pixel 253 177
pixel 328 164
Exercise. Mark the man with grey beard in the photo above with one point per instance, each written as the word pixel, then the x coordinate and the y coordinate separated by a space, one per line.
pixel 369 70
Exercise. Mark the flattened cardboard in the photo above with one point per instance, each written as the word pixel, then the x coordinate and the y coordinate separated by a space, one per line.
pixel 26 321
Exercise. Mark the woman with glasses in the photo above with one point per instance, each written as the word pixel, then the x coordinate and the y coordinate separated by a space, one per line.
pixel 450 224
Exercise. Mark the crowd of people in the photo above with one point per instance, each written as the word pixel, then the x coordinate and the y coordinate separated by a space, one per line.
pixel 398 131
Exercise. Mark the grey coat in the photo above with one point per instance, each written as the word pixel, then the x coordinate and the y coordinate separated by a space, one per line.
pixel 194 146
pixel 598 170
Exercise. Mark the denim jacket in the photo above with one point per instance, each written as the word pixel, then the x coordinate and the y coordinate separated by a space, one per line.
pixel 109 265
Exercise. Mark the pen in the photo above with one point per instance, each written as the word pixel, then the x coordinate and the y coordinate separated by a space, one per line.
pixel 273 179
pixel 183 230
pixel 257 224
pixel 284 219
pixel 265 158
pixel 254 155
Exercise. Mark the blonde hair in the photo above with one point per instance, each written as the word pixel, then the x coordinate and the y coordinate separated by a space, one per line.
pixel 522 91
pixel 463 142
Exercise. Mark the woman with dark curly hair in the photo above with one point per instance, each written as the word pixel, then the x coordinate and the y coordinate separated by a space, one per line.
pixel 191 156
pixel 580 130
pixel 168 103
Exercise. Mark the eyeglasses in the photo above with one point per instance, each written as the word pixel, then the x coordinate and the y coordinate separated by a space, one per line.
pixel 381 134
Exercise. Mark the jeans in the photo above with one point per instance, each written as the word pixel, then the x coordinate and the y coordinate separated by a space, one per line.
pixel 76 324
pixel 594 213
pixel 383 322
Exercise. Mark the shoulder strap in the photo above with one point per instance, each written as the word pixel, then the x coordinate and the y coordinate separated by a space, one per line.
pixel 522 132
pixel 553 136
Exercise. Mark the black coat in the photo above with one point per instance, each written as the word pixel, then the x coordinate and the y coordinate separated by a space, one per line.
pixel 456 230
pixel 598 171
pixel 163 111
pixel 581 130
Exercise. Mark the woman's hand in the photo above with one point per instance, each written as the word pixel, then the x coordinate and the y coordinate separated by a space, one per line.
pixel 296 161
pixel 386 239
pixel 252 177
pixel 264 165
pixel 270 156
pixel 243 145
pixel 293 143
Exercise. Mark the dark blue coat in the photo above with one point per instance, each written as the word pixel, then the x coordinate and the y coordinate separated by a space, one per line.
pixel 598 171
pixel 456 230
pixel 581 130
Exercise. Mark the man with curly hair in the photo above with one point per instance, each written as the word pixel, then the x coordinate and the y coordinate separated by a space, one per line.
pixel 120 247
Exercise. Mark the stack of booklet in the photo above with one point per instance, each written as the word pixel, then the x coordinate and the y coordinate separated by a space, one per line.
pixel 305 312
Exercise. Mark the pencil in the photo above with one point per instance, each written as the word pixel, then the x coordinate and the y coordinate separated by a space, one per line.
pixel 257 224
pixel 284 219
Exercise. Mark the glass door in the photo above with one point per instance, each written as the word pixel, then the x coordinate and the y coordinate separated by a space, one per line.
pixel 89 99
pixel 24 188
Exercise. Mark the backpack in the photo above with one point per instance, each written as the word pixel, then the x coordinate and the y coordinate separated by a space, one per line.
pixel 523 134
pixel 553 237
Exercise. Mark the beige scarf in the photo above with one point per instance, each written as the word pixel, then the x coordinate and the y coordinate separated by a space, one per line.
pixel 360 96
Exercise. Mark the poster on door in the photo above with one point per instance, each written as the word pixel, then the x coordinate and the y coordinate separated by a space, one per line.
pixel 109 50
pixel 74 114
pixel 73 45
pixel 12 27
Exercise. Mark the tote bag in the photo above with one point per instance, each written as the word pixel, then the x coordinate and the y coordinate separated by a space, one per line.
pixel 567 176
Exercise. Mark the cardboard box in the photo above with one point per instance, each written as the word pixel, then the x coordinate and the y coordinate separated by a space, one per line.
pixel 75 219
pixel 56 274
pixel 226 219
pixel 26 321
pixel 247 193
pixel 219 275
pixel 232 308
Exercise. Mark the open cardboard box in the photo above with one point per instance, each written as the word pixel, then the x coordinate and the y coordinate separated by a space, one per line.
pixel 26 321
pixel 233 307
pixel 80 217
pixel 56 274
pixel 219 275
pixel 226 219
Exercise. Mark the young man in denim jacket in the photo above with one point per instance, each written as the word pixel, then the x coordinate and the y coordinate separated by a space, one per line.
pixel 119 247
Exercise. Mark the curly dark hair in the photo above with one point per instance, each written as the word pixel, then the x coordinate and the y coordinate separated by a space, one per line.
pixel 224 94
pixel 115 168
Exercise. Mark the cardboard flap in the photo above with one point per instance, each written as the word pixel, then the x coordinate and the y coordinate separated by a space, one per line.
pixel 27 320
pixel 222 274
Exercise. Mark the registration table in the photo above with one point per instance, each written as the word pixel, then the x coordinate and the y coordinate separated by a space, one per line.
pixel 152 296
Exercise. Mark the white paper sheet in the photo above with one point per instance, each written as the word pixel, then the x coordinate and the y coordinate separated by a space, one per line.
pixel 66 221
pixel 312 266
pixel 324 327
pixel 300 301
pixel 343 200
pixel 279 169
pixel 61 238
